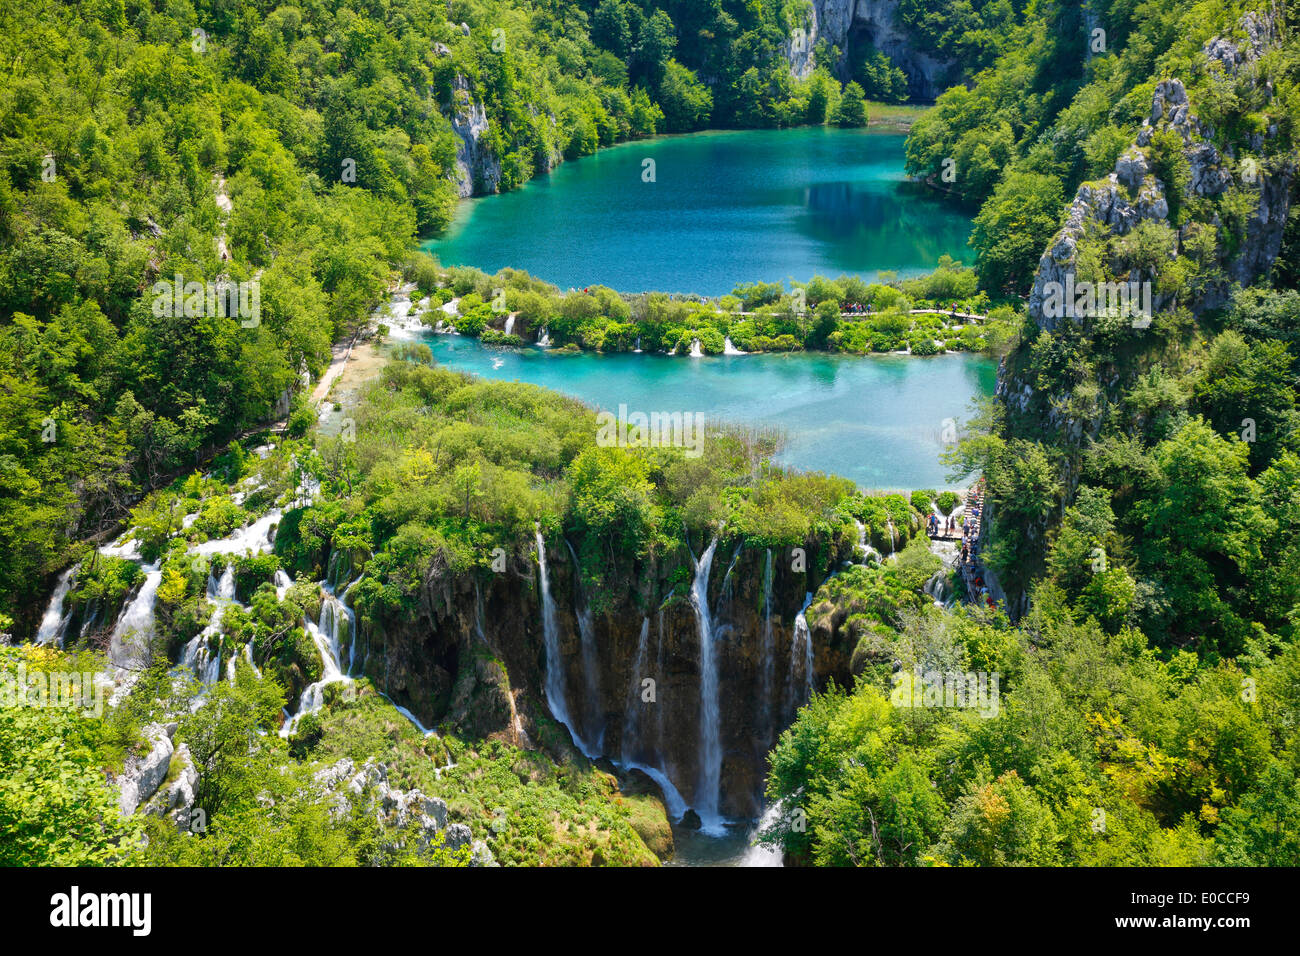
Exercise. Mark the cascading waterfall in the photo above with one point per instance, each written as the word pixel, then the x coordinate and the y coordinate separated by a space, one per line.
pixel 544 340
pixel 708 791
pixel 349 621
pixel 555 696
pixel 510 325
pixel 134 628
pixel 638 344
pixel 757 854
pixel 55 622
pixel 729 349
pixel 696 351
pixel 801 657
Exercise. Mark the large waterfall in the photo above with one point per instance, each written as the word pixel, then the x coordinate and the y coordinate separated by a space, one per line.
pixel 708 791
pixel 555 696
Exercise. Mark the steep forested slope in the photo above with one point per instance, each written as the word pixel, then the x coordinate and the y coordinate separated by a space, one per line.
pixel 1143 483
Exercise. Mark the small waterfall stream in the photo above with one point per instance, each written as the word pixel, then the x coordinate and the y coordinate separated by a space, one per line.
pixel 133 632
pixel 801 659
pixel 55 622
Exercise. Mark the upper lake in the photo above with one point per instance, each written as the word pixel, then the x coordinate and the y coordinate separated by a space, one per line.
pixel 724 208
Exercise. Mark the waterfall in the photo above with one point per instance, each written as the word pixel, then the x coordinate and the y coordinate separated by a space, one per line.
pixel 696 351
pixel 55 621
pixel 937 586
pixel 350 622
pixel 544 340
pixel 726 578
pixel 638 344
pixel 510 324
pixel 282 584
pixel 768 651
pixel 758 855
pixel 555 697
pixel 707 793
pixel 632 719
pixel 225 590
pixel 801 636
pixel 133 632
pixel 729 349
pixel 313 696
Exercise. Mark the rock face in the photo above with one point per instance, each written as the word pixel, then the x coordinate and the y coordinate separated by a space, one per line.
pixel 1133 192
pixel 853 25
pixel 142 777
pixel 479 171
pixel 474 655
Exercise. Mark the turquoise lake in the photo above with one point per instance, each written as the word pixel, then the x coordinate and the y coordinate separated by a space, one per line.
pixel 878 420
pixel 725 208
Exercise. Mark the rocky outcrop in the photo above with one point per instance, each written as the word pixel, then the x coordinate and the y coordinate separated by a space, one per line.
pixel 409 816
pixel 142 777
pixel 854 25
pixel 478 170
pixel 1133 192
pixel 475 648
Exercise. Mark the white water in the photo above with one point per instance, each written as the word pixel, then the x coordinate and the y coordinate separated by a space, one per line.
pixel 696 351
pixel 758 855
pixel 134 629
pixel 544 340
pixel 313 695
pixel 802 640
pixel 555 696
pixel 510 325
pixel 708 791
pixel 729 349
pixel 55 621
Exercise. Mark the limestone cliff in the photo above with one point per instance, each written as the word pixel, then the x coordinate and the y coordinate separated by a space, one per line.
pixel 854 25
pixel 473 655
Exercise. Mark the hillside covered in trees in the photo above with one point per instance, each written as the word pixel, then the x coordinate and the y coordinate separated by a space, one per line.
pixel 1139 573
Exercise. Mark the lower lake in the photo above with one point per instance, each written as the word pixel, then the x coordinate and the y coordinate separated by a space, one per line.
pixel 878 420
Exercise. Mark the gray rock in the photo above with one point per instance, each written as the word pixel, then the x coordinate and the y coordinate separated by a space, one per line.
pixel 142 777
pixel 481 855
pixel 458 835
pixel 1131 168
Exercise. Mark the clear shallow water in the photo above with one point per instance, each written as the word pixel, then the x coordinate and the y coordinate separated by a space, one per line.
pixel 877 420
pixel 726 208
